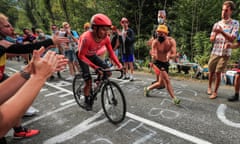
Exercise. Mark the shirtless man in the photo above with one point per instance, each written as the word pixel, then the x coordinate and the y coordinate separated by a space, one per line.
pixel 163 48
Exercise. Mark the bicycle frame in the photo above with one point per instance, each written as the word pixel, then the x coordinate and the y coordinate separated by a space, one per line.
pixel 101 81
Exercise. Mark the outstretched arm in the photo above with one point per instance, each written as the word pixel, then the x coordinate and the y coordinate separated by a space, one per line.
pixel 28 48
pixel 41 69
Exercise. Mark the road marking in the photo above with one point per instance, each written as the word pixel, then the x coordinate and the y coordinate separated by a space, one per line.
pixel 48 114
pixel 168 130
pixel 53 93
pixel 80 128
pixel 54 111
pixel 68 102
pixel 64 95
pixel 221 115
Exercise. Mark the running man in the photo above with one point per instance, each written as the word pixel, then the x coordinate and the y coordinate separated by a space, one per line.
pixel 163 48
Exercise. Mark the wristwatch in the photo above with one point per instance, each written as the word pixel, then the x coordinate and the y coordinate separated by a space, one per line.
pixel 25 75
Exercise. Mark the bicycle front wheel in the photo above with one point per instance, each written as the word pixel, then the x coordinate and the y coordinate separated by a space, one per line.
pixel 77 86
pixel 113 102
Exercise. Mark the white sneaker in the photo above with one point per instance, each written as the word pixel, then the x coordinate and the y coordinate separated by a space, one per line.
pixel 70 78
pixel 31 111
pixel 131 78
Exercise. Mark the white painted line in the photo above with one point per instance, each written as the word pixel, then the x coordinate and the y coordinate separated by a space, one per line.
pixel 64 95
pixel 48 114
pixel 68 102
pixel 43 89
pixel 168 130
pixel 53 93
pixel 221 115
pixel 59 88
pixel 12 69
pixel 78 129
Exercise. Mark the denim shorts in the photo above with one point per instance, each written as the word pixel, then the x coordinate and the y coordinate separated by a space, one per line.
pixel 70 54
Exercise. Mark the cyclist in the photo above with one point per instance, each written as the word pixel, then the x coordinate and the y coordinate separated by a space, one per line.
pixel 89 43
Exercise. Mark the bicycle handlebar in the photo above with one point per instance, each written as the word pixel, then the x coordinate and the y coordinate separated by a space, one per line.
pixel 111 70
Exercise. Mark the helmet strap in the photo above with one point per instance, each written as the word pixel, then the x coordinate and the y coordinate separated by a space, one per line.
pixel 97 36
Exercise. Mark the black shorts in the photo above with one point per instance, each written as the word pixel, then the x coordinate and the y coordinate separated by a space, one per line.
pixel 163 66
pixel 85 67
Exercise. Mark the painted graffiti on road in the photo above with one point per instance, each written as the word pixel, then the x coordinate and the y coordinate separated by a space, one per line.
pixel 221 115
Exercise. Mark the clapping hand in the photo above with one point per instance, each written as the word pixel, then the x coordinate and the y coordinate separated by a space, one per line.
pixel 59 40
pixel 218 29
pixel 44 67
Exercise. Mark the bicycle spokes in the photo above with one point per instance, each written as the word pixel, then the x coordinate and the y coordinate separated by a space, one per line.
pixel 113 103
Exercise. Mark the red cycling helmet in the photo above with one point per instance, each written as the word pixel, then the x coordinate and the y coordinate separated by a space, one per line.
pixel 100 20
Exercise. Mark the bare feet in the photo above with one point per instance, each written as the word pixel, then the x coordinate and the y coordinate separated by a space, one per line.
pixel 213 96
pixel 209 91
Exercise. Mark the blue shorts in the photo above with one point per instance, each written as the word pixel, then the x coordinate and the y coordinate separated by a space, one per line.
pixel 127 58
pixel 70 54
pixel 116 52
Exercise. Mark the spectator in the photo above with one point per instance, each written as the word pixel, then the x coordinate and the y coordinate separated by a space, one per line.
pixel 56 48
pixel 127 48
pixel 6 30
pixel 86 26
pixel 114 36
pixel 24 86
pixel 69 51
pixel 235 97
pixel 223 32
pixel 28 37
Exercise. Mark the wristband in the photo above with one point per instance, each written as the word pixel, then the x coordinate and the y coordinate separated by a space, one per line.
pixel 25 75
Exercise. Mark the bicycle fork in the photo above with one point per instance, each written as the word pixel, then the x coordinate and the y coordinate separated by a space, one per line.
pixel 110 95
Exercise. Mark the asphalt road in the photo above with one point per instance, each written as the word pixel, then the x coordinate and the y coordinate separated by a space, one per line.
pixel 149 120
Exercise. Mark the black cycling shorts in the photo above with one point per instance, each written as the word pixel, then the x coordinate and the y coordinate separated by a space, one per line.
pixel 85 67
pixel 162 66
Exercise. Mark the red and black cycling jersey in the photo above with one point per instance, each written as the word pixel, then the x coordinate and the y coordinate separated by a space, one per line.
pixel 87 46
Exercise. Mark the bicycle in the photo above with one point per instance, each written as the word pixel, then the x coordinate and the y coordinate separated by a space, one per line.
pixel 112 97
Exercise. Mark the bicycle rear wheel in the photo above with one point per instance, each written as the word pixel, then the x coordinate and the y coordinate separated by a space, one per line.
pixel 113 102
pixel 77 86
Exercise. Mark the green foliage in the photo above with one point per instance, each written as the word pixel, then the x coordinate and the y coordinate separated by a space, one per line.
pixel 201 48
pixel 141 48
pixel 235 55
pixel 190 21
